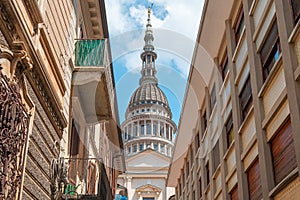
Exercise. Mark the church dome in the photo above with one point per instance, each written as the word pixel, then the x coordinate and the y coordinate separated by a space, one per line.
pixel 148 93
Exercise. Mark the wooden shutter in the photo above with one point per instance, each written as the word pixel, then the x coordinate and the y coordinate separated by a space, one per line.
pixel 74 143
pixel 234 193
pixel 246 98
pixel 254 182
pixel 296 10
pixel 216 156
pixel 283 152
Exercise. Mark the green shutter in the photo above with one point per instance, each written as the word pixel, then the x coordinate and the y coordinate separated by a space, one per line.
pixel 89 52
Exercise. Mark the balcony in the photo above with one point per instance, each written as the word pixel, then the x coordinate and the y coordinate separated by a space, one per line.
pixel 90 53
pixel 79 178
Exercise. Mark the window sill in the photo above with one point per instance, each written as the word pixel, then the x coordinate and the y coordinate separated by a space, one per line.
pixel 207 188
pixel 282 184
pixel 294 33
pixel 297 74
pixel 245 121
pixel 230 148
pixel 270 77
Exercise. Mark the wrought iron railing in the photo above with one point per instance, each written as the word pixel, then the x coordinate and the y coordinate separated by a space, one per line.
pixel 14 122
pixel 80 178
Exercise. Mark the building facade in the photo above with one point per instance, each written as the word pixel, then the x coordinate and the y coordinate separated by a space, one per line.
pixel 148 132
pixel 43 143
pixel 240 118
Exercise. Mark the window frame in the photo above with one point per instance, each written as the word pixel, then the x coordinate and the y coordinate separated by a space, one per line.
pixel 239 26
pixel 270 50
pixel 213 98
pixel 283 129
pixel 296 16
pixel 248 101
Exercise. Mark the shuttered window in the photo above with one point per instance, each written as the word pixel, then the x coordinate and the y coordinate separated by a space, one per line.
pixel 213 98
pixel 229 131
pixel 254 182
pixel 204 122
pixel 283 152
pixel 270 50
pixel 239 26
pixel 207 174
pixel 224 66
pixel 74 143
pixel 296 10
pixel 234 193
pixel 200 187
pixel 245 98
pixel 216 156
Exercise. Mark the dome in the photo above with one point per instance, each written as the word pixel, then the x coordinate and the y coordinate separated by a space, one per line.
pixel 148 92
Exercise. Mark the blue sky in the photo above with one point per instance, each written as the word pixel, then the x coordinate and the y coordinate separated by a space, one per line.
pixel 175 25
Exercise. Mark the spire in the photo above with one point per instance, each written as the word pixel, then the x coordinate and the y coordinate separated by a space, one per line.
pixel 148 56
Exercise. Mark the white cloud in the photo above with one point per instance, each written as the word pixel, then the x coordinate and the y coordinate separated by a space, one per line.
pixel 182 18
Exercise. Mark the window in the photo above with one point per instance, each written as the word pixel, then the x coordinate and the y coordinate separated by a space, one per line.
pixel 197 142
pixel 154 128
pixel 216 156
pixel 74 143
pixel 142 129
pixel 179 187
pixel 234 193
pixel 162 148
pixel 135 127
pixel 141 147
pixel 204 122
pixel 296 10
pixel 212 98
pixel 254 182
pixel 224 66
pixel 129 150
pixel 134 148
pixel 155 146
pixel 162 130
pixel 193 195
pixel 283 152
pixel 245 98
pixel 229 131
pixel 270 50
pixel 239 26
pixel 148 128
pixel 207 173
pixel 200 187
pixel 167 131
pixel 187 169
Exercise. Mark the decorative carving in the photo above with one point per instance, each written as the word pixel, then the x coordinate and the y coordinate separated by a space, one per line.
pixel 8 20
pixel 14 122
pixel 3 41
pixel 46 99
pixel 19 55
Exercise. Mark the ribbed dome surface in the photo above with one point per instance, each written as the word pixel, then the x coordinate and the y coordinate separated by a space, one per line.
pixel 148 92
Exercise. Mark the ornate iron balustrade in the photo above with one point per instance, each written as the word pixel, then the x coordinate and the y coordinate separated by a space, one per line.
pixel 79 178
pixel 14 123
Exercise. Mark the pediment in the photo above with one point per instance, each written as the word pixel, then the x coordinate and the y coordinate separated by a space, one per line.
pixel 148 158
pixel 148 188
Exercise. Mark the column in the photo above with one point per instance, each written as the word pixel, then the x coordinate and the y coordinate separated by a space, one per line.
pixel 265 158
pixel 138 128
pixel 145 127
pixel 158 128
pixel 291 66
pixel 151 127
pixel 241 175
pixel 165 130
